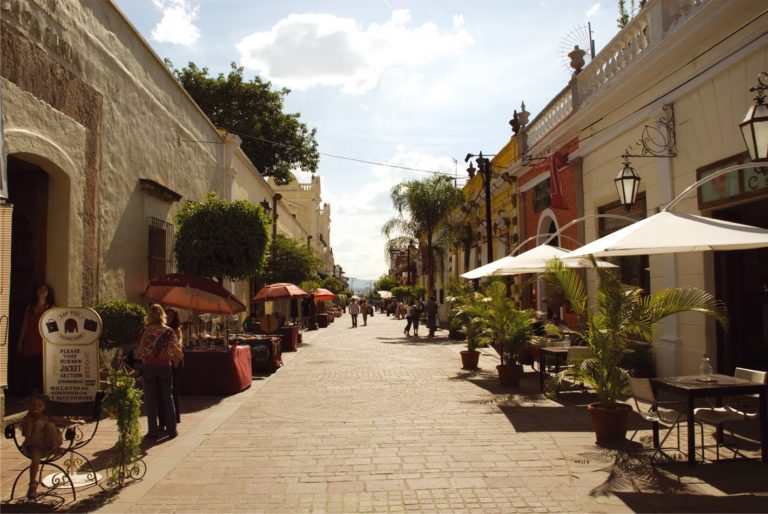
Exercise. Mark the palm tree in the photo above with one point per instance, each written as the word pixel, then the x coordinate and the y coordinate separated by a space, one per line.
pixel 623 312
pixel 422 206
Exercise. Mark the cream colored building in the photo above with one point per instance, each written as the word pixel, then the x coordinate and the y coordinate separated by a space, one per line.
pixel 103 147
pixel 677 78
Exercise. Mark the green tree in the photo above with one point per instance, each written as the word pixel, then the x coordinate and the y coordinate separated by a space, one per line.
pixel 274 141
pixel 422 205
pixel 220 239
pixel 291 261
pixel 332 284
pixel 627 14
pixel 386 283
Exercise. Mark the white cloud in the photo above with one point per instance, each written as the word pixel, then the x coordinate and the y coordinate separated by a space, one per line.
pixel 177 25
pixel 305 50
pixel 593 10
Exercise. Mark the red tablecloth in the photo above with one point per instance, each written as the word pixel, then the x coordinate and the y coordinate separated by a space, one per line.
pixel 289 336
pixel 266 352
pixel 216 372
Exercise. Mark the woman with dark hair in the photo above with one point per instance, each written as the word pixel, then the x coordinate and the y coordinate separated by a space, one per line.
pixel 30 346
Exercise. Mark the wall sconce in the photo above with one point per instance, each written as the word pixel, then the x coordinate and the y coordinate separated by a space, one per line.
pixel 627 184
pixel 754 128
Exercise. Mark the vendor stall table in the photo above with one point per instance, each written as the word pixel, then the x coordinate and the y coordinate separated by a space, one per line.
pixel 289 335
pixel 322 320
pixel 266 350
pixel 216 371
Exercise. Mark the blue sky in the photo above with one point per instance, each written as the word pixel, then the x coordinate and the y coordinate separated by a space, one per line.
pixel 417 84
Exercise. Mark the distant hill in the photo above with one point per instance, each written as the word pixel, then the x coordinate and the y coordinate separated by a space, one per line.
pixel 361 286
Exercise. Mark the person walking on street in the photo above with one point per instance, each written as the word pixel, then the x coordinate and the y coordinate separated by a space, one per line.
pixel 409 318
pixel 418 308
pixel 364 311
pixel 431 310
pixel 354 310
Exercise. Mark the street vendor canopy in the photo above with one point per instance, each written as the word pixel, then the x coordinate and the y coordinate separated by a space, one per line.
pixel 192 292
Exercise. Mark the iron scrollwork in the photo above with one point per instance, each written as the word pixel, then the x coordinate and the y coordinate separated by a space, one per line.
pixel 658 138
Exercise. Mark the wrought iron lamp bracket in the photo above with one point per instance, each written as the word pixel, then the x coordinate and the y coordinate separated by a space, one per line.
pixel 658 138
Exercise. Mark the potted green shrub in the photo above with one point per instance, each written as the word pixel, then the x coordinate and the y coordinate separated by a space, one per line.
pixel 511 330
pixel 466 315
pixel 122 323
pixel 623 313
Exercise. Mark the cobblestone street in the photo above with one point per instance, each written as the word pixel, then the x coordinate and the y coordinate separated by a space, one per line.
pixel 368 420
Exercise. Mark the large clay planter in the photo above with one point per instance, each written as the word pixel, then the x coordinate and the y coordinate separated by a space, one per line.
pixel 610 425
pixel 469 359
pixel 510 374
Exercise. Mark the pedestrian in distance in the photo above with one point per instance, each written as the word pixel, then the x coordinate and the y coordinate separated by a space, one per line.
pixel 431 309
pixel 354 310
pixel 364 311
pixel 418 308
pixel 409 313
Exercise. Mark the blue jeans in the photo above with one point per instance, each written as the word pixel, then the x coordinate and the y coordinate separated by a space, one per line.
pixel 163 375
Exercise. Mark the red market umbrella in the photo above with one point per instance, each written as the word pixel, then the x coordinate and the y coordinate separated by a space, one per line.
pixel 279 291
pixel 192 292
pixel 323 295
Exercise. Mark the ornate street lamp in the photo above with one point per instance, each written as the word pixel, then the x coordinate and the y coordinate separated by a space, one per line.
pixel 627 184
pixel 754 128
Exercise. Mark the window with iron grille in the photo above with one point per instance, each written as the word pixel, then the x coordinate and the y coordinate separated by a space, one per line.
pixel 160 247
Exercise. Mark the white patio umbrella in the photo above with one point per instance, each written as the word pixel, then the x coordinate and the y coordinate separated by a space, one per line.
pixel 669 232
pixel 534 260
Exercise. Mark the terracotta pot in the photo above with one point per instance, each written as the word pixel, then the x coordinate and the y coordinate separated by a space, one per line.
pixel 610 425
pixel 510 374
pixel 469 359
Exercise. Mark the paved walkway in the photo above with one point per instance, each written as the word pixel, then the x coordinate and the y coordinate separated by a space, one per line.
pixel 367 420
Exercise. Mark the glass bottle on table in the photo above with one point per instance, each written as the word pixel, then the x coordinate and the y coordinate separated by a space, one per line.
pixel 705 368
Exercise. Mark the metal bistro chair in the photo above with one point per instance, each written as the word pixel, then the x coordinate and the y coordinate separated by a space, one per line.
pixel 735 408
pixel 655 411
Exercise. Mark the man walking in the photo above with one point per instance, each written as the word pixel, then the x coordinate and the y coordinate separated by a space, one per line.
pixel 431 309
pixel 354 310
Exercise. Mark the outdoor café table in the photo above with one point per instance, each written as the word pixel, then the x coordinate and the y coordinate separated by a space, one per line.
pixel 216 371
pixel 694 386
pixel 558 353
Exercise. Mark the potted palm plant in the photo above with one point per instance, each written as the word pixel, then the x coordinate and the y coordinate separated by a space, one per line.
pixel 511 330
pixel 466 315
pixel 623 313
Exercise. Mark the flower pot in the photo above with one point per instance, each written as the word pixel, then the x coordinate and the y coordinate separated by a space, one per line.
pixel 469 359
pixel 510 374
pixel 610 424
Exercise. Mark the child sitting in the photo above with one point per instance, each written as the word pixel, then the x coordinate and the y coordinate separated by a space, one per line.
pixel 41 437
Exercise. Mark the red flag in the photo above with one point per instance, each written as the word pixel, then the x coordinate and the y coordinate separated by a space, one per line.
pixel 556 161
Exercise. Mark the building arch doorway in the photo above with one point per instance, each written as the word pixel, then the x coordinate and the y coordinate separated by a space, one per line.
pixel 28 186
pixel 547 226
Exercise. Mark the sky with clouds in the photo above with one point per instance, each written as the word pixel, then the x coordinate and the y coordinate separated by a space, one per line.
pixel 417 84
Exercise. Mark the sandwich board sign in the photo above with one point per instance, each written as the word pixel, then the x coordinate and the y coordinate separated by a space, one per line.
pixel 70 353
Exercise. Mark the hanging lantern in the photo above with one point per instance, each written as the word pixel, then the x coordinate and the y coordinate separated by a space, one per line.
pixel 754 128
pixel 627 184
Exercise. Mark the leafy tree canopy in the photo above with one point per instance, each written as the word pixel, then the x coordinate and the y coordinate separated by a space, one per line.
pixel 274 141
pixel 332 284
pixel 221 239
pixel 386 283
pixel 291 261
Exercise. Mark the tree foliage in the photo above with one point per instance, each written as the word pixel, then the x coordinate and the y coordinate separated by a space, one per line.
pixel 274 141
pixel 221 239
pixel 386 283
pixel 332 284
pixel 291 261
pixel 122 323
pixel 423 206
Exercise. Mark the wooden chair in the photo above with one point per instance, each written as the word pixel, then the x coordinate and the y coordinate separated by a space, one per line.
pixel 69 459
pixel 735 408
pixel 655 411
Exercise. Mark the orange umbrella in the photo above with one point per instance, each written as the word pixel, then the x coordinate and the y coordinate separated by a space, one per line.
pixel 323 295
pixel 192 292
pixel 278 291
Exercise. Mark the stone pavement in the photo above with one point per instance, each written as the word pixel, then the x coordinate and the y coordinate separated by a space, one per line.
pixel 368 420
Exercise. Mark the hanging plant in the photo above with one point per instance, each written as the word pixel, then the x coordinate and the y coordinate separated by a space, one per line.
pixel 122 401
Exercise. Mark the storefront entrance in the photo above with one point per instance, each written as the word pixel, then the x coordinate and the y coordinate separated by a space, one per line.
pixel 742 283
pixel 28 192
